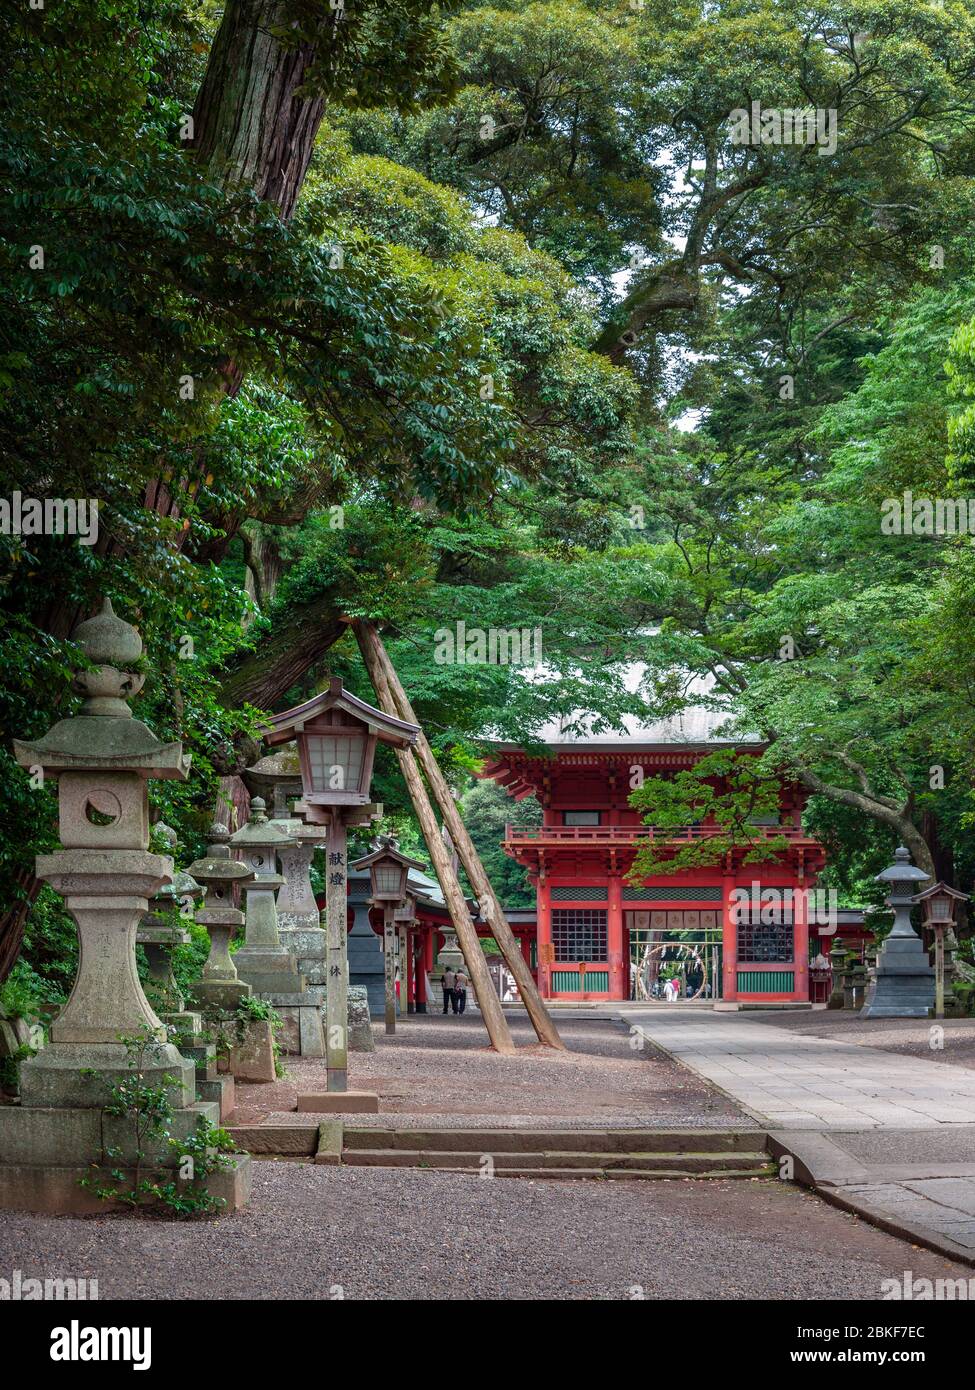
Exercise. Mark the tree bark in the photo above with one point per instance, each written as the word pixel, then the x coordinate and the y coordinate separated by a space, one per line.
pixel 14 919
pixel 892 816
pixel 250 125
pixel 298 640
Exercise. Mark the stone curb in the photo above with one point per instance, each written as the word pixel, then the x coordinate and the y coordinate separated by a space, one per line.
pixel 828 1170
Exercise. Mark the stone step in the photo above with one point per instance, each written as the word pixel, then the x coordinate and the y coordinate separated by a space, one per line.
pixel 219 1089
pixel 631 1174
pixel 562 1161
pixel 515 1141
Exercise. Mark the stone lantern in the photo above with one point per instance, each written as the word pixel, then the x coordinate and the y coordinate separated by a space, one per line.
pixel 220 989
pixel 263 961
pixel 277 778
pixel 160 930
pixel 904 981
pixel 101 759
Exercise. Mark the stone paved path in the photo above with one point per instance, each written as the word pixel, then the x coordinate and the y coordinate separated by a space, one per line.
pixel 884 1135
pixel 794 1081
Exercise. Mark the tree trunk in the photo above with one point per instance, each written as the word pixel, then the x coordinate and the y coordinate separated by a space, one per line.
pixel 385 679
pixel 297 642
pixel 13 920
pixel 250 126
pixel 897 819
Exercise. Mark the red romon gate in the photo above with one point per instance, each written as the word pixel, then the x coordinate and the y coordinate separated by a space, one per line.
pixel 670 963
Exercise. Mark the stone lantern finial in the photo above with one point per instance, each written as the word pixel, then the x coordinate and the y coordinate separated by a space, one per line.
pixel 112 644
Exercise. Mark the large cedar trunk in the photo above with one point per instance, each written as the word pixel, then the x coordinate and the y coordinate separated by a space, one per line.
pixel 295 645
pixel 13 920
pixel 249 125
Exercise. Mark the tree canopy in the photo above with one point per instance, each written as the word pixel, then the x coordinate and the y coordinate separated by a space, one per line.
pixel 498 314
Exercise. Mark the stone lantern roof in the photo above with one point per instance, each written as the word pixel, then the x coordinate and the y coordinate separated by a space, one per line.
pixel 276 776
pixel 259 841
pixel 183 884
pixel 216 869
pixel 902 870
pixel 259 832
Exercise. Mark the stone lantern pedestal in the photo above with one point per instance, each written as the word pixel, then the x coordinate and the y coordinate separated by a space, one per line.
pixel 248 1045
pixel 159 932
pixel 278 776
pixel 264 961
pixel 101 760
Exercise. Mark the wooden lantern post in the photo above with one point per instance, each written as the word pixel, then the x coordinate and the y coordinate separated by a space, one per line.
pixel 336 735
pixel 405 917
pixel 938 903
pixel 389 871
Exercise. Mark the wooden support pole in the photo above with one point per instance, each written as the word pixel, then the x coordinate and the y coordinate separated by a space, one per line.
pixel 488 1001
pixel 375 656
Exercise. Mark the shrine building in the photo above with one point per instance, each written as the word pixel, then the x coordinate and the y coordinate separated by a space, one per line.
pixel 600 937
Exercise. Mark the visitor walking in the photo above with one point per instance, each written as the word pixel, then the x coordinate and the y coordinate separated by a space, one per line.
pixel 447 985
pixel 460 992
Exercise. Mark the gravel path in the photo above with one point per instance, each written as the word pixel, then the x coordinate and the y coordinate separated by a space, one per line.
pixel 436 1072
pixel 402 1234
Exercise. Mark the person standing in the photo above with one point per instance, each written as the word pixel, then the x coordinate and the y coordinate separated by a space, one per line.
pixel 447 985
pixel 460 992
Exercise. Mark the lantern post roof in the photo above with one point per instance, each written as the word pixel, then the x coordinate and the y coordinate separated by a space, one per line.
pixel 386 852
pixel 941 889
pixel 399 733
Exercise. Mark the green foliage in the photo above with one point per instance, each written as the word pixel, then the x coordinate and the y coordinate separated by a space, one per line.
pixel 509 185
pixel 133 1173
pixel 726 788
pixel 228 1031
pixel 487 809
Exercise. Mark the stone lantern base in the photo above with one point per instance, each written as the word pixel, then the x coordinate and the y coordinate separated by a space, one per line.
pixel 309 945
pixel 903 985
pixel 61 1129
